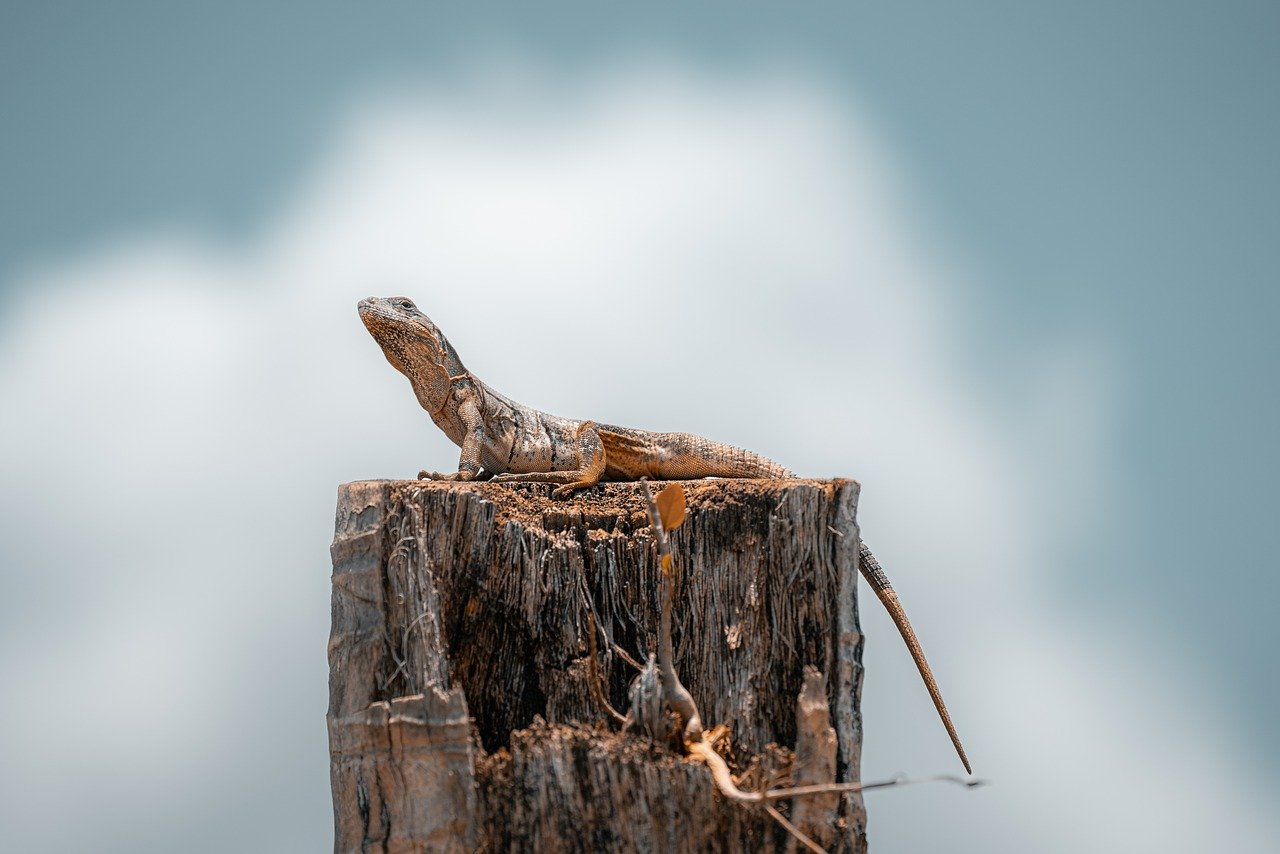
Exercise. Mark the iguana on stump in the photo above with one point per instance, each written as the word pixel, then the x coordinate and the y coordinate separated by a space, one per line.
pixel 507 442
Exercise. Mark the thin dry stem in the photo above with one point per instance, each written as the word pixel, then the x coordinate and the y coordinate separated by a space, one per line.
pixel 597 688
pixel 796 832
pixel 827 788
pixel 590 606
pixel 623 654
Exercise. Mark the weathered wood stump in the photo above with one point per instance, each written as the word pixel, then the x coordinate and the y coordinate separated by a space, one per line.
pixel 461 714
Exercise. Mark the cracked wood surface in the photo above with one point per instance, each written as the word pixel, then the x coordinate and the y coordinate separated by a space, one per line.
pixel 468 601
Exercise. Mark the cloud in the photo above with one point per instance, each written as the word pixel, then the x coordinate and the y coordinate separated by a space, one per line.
pixel 737 258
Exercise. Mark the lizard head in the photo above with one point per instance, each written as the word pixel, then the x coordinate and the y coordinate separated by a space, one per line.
pixel 408 338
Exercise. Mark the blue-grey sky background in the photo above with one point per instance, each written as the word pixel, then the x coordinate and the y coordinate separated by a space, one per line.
pixel 1087 192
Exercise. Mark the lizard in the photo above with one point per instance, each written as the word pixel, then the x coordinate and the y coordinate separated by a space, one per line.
pixel 507 442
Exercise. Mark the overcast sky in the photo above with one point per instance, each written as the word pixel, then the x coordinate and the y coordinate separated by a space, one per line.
pixel 1011 268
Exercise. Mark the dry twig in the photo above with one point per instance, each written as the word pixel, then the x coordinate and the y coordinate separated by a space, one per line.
pixel 597 688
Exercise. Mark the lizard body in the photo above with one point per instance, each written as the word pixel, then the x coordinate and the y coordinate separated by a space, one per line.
pixel 507 441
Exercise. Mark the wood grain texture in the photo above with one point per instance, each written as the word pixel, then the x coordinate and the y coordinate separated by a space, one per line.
pixel 469 600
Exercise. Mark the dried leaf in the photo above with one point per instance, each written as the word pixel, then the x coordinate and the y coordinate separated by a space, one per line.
pixel 671 506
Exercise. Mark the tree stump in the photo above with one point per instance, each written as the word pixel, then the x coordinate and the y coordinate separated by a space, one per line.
pixel 461 715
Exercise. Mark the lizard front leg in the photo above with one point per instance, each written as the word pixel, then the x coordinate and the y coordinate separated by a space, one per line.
pixel 469 461
pixel 591 463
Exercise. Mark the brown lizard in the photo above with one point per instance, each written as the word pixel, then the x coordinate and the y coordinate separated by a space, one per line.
pixel 506 442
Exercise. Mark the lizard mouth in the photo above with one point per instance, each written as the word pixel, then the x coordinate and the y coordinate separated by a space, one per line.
pixel 373 311
pixel 388 325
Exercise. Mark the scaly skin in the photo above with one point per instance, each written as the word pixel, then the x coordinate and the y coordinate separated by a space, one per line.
pixel 506 441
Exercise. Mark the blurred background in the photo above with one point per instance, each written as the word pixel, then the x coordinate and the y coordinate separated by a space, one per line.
pixel 1012 266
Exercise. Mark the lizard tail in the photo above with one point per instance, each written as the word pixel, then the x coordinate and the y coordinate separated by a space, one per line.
pixel 684 455
pixel 879 582
pixel 713 459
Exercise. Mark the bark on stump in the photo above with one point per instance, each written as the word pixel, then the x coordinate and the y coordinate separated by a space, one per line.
pixel 461 716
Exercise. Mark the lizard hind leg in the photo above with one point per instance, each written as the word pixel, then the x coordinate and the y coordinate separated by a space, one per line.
pixel 591 465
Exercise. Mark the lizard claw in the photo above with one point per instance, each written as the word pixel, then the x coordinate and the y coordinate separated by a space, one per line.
pixel 435 475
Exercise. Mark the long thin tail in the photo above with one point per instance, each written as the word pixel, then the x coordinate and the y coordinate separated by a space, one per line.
pixel 879 582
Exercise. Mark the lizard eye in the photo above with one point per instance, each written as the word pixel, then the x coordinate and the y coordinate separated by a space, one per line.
pixel 406 305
